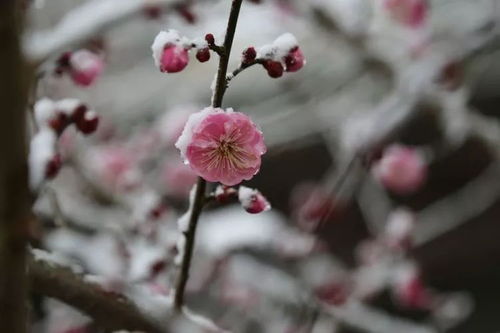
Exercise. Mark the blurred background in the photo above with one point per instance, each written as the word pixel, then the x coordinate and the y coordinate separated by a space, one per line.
pixel 382 166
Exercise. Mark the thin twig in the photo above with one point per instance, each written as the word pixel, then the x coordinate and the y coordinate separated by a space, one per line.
pixel 199 198
pixel 241 68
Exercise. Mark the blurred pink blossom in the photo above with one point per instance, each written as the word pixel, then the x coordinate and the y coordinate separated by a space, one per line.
pixel 177 178
pixel 222 146
pixel 411 13
pixel 85 67
pixel 115 167
pixel 401 169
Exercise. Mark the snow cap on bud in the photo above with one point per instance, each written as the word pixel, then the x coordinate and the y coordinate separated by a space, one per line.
pixel 283 54
pixel 203 54
pixel 400 225
pixel 252 200
pixel 42 152
pixel 44 110
pixel 222 145
pixel 85 67
pixel 170 51
pixel 223 193
pixel 402 169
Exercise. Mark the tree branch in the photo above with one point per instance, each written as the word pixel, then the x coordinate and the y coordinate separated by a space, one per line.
pixel 110 311
pixel 14 193
pixel 197 205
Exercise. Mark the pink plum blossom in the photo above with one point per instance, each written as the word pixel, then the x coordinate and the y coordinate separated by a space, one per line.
pixel 115 167
pixel 401 169
pixel 85 67
pixel 252 200
pixel 222 146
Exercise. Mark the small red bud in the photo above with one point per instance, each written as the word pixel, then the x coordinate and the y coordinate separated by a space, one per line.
pixel 53 166
pixel 63 60
pixel 249 55
pixel 274 68
pixel 158 211
pixel 88 124
pixel 59 122
pixel 79 113
pixel 210 39
pixel 203 55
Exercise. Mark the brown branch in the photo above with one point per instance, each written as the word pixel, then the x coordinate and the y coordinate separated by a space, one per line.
pixel 197 205
pixel 109 311
pixel 14 193
pixel 242 67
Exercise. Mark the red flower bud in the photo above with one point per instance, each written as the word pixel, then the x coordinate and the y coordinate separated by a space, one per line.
pixel 249 55
pixel 210 39
pixel 88 124
pixel 53 166
pixel 274 68
pixel 203 55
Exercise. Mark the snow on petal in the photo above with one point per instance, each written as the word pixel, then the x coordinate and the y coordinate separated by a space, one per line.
pixel 252 200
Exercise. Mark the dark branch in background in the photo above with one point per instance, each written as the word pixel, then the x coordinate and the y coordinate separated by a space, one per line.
pixel 14 193
pixel 199 199
pixel 110 311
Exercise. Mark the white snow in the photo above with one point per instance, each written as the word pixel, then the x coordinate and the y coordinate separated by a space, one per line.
pixel 55 259
pixel 83 60
pixel 245 195
pixel 180 246
pixel 68 105
pixel 400 223
pixel 42 150
pixel 44 109
pixel 279 48
pixel 194 120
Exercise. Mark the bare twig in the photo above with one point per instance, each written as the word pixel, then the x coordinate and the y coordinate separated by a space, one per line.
pixel 218 95
pixel 109 310
pixel 242 67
